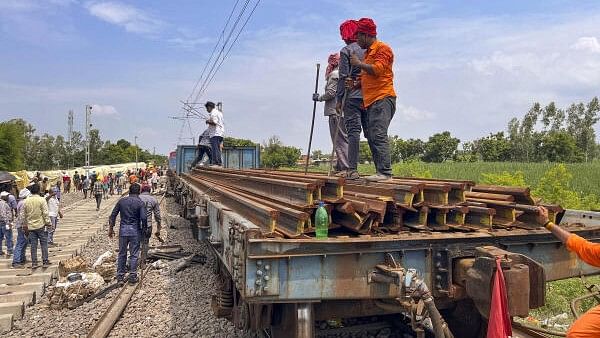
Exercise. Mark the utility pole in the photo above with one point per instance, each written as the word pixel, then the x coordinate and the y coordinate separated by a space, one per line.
pixel 88 126
pixel 136 148
pixel 71 139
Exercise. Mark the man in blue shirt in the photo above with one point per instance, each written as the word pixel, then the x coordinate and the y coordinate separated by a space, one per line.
pixel 133 219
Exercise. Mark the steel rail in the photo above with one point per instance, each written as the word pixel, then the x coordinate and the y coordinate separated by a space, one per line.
pixel 301 194
pixel 111 316
pixel 257 213
pixel 291 222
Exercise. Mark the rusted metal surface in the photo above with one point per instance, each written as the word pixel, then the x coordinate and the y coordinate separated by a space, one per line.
pixel 260 214
pixel 298 193
pixel 424 223
pixel 524 278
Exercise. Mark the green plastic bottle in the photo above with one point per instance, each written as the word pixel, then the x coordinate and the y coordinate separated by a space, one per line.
pixel 322 221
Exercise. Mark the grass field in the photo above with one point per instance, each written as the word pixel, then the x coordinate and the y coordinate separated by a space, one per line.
pixel 586 176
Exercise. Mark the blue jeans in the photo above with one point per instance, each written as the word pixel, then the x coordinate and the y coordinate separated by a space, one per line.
pixel 54 221
pixel 42 236
pixel 215 147
pixel 133 243
pixel 20 247
pixel 9 238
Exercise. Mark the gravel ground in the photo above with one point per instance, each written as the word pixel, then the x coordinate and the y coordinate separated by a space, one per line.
pixel 70 198
pixel 165 305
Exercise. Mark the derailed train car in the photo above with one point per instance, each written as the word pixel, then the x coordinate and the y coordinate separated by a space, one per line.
pixel 428 280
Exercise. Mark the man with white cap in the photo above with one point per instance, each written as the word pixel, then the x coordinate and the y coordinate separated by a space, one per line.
pixel 22 241
pixel 6 218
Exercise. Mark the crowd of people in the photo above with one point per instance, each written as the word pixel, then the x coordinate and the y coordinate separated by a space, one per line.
pixel 35 214
pixel 359 95
pixel 35 211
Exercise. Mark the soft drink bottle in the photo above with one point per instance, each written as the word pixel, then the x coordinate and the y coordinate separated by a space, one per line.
pixel 322 221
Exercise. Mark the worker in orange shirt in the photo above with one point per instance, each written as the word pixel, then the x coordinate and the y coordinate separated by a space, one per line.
pixel 379 97
pixel 588 325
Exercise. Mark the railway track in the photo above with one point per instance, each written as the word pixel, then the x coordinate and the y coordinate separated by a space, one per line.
pixel 21 288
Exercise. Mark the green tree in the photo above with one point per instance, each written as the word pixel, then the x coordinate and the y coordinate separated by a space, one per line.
pixel 317 154
pixel 275 154
pixel 440 147
pixel 516 179
pixel 237 142
pixel 555 187
pixel 467 153
pixel 559 146
pixel 580 123
pixel 12 143
pixel 364 152
pixel 493 148
pixel 553 118
pixel 406 150
pixel 95 147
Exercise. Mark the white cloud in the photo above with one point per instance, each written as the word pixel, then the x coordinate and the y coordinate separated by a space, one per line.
pixel 410 113
pixel 587 43
pixel 190 43
pixel 104 110
pixel 131 18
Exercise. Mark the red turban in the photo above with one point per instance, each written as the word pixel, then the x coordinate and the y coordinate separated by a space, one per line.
pixel 348 30
pixel 367 26
pixel 332 62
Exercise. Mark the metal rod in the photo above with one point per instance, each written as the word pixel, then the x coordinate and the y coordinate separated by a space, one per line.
pixel 312 125
pixel 305 321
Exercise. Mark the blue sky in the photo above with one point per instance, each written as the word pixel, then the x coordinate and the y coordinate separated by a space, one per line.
pixel 463 66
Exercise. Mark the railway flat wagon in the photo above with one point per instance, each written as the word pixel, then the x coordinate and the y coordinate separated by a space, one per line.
pixel 424 264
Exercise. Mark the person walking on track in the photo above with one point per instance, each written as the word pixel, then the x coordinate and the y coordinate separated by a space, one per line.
pixel 6 219
pixel 134 219
pixel 85 186
pixel 22 240
pixel 337 130
pixel 36 223
pixel 54 211
pixel 379 97
pixel 153 208
pixel 98 191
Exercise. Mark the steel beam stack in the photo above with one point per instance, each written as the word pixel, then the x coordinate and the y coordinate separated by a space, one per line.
pixel 283 203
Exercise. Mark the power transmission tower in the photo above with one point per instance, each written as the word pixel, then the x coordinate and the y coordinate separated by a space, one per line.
pixel 71 138
pixel 88 126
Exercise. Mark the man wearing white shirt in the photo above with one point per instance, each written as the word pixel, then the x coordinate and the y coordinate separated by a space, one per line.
pixel 54 212
pixel 216 131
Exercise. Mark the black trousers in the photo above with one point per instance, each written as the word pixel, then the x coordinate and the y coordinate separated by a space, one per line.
pixel 215 145
pixel 355 119
pixel 203 150
pixel 379 116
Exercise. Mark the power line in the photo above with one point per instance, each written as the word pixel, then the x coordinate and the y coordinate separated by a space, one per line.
pixel 212 70
pixel 231 46
pixel 214 49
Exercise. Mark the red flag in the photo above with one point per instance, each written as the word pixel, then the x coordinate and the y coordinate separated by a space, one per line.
pixel 499 325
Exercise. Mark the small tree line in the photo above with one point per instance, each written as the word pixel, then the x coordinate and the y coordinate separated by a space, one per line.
pixel 542 134
pixel 22 148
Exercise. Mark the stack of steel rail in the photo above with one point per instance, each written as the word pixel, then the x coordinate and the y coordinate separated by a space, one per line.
pixel 283 203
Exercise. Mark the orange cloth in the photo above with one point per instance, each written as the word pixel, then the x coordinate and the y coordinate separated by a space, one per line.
pixel 588 325
pixel 381 85
pixel 499 325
